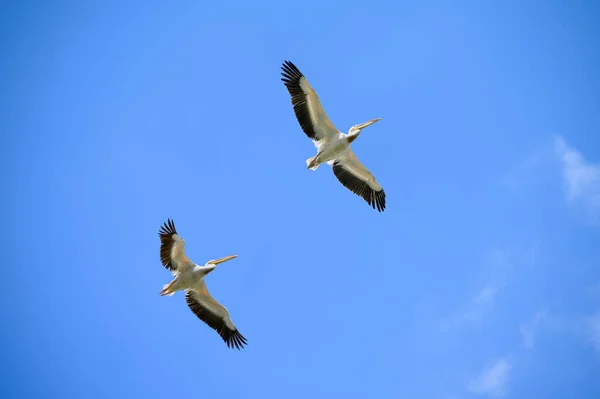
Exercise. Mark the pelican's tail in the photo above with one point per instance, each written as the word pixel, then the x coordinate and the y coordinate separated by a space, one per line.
pixel 166 290
pixel 311 163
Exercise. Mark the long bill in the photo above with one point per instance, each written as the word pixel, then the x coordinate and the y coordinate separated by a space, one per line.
pixel 368 123
pixel 225 259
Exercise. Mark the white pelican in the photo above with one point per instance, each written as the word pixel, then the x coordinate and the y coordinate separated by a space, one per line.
pixel 333 146
pixel 190 277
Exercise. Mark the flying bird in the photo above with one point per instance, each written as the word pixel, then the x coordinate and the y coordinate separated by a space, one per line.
pixel 333 146
pixel 189 277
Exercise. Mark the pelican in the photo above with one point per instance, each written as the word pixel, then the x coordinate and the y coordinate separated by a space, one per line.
pixel 333 146
pixel 190 277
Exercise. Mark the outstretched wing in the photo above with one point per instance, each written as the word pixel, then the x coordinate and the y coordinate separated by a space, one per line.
pixel 307 106
pixel 355 177
pixel 172 254
pixel 215 315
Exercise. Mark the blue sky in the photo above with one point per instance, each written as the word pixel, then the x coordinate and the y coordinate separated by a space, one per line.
pixel 480 279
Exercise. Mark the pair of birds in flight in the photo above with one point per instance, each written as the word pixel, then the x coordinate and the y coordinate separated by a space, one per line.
pixel 333 147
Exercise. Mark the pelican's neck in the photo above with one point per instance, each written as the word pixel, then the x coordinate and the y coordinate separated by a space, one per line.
pixel 204 270
pixel 352 136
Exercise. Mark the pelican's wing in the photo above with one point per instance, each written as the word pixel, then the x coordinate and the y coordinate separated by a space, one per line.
pixel 172 254
pixel 307 107
pixel 354 176
pixel 214 315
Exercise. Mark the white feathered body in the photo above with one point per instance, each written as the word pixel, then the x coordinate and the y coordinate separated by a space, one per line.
pixel 190 278
pixel 329 149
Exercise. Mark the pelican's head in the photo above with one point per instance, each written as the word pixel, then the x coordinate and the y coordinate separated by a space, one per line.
pixel 356 129
pixel 212 264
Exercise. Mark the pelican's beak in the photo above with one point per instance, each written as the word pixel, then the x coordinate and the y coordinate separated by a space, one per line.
pixel 225 259
pixel 368 123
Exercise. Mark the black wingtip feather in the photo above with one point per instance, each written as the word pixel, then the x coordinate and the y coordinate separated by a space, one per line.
pixel 167 229
pixel 291 79
pixel 232 338
pixel 376 199
pixel 165 233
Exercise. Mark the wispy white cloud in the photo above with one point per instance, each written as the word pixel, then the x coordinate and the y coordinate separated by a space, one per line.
pixel 486 295
pixel 479 304
pixel 528 336
pixel 528 330
pixel 584 326
pixel 594 290
pixel 534 254
pixel 521 174
pixel 499 264
pixel 593 330
pixel 493 380
pixel 581 179
pixel 498 267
